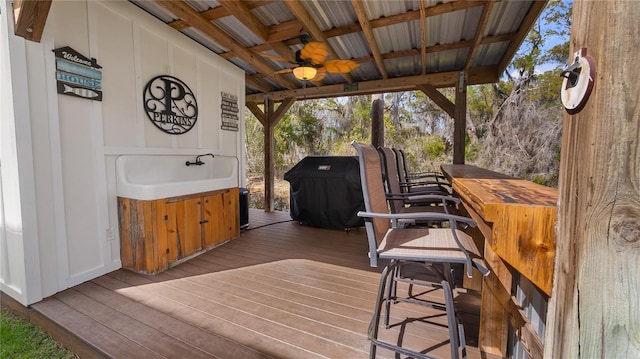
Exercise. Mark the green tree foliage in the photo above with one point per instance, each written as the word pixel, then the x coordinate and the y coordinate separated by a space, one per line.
pixel 518 121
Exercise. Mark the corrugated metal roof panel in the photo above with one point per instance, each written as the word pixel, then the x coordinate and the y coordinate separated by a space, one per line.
pixel 330 14
pixel 507 16
pixel 156 10
pixel 274 13
pixel 398 37
pixel 366 71
pixel 448 28
pixel 470 23
pixel 449 60
pixel 204 40
pixel 350 46
pixel 490 54
pixel 243 65
pixel 236 29
pixel 404 66
pixel 202 5
pixel 378 9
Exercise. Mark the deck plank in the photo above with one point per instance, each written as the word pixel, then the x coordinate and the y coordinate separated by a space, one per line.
pixel 109 341
pixel 280 290
pixel 136 331
pixel 214 345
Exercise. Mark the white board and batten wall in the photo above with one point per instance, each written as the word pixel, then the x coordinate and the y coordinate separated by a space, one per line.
pixel 58 180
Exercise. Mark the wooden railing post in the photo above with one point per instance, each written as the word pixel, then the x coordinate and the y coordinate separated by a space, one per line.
pixel 594 311
pixel 460 121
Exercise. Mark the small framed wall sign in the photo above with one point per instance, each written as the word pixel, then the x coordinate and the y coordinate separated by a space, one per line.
pixel 77 75
pixel 229 114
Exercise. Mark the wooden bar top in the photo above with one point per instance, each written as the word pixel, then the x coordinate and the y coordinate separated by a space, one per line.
pixel 521 214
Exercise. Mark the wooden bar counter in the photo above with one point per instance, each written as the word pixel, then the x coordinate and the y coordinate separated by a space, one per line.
pixel 517 220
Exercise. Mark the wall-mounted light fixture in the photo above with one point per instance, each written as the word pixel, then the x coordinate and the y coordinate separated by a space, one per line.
pixel 305 72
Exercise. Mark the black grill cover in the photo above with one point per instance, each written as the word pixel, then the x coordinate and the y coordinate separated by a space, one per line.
pixel 325 191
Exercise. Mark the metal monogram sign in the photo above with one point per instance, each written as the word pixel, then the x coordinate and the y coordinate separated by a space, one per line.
pixel 78 75
pixel 170 104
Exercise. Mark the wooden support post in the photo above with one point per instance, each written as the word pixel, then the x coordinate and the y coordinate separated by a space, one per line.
pixel 460 121
pixel 594 311
pixel 269 118
pixel 377 120
pixel 269 168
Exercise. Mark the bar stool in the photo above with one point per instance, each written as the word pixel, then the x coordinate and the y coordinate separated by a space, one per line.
pixel 418 257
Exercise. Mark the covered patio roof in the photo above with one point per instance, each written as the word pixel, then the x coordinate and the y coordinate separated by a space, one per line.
pixel 399 45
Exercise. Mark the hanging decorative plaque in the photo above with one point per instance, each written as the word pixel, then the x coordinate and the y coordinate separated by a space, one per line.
pixel 229 112
pixel 170 104
pixel 77 75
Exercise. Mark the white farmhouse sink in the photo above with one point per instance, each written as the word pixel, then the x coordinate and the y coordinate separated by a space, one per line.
pixel 149 177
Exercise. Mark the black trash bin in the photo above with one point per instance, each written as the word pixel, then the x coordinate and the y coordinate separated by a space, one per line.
pixel 325 191
pixel 244 207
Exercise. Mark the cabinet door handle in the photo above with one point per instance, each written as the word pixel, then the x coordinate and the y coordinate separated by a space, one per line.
pixel 204 221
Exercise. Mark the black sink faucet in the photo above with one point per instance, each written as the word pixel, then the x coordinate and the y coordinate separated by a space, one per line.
pixel 198 161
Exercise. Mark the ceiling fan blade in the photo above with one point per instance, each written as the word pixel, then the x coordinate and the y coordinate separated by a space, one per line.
pixel 283 71
pixel 322 73
pixel 315 52
pixel 273 57
pixel 340 66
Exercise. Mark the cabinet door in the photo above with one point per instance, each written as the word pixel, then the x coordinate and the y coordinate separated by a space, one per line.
pixel 214 220
pixel 174 249
pixel 160 245
pixel 231 199
pixel 187 227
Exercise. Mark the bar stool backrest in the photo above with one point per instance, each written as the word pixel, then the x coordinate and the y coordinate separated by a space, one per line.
pixel 372 189
pixel 393 182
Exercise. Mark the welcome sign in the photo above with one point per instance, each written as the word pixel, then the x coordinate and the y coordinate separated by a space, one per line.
pixel 77 75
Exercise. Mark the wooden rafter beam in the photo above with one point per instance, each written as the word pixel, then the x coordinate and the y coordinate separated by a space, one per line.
pixel 439 9
pixel 361 13
pixel 477 75
pixel 441 100
pixel 257 112
pixel 30 17
pixel 241 12
pixel 218 13
pixel 482 25
pixel 251 81
pixel 423 38
pixel 282 109
pixel 192 17
pixel 312 28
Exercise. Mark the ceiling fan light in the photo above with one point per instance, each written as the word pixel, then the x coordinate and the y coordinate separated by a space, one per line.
pixel 305 72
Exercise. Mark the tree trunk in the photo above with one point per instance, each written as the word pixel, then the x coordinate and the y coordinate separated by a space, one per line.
pixel 377 120
pixel 594 310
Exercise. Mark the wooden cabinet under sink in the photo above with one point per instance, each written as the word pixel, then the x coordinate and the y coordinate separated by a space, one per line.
pixel 157 234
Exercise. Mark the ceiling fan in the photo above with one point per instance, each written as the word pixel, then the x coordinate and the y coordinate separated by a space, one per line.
pixel 311 61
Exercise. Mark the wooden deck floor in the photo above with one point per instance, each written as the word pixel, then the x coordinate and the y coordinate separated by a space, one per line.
pixel 281 290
